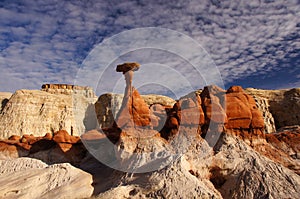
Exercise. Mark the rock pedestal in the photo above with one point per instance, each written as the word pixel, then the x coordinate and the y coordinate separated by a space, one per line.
pixel 134 112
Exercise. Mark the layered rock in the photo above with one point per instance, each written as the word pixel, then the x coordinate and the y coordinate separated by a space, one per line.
pixel 39 112
pixel 215 109
pixel 69 89
pixel 264 107
pixel 31 178
pixel 244 124
pixel 284 105
pixel 282 147
pixel 231 169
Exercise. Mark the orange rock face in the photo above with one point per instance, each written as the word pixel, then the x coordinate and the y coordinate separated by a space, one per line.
pixel 215 109
pixel 62 147
pixel 213 106
pixel 191 112
pixel 241 110
pixel 134 112
pixel 139 110
pixel 63 136
pixel 288 141
pixel 14 137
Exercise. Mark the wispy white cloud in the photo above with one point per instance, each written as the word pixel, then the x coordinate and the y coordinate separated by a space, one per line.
pixel 46 41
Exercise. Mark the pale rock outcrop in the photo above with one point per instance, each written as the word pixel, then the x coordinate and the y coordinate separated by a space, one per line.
pixel 284 105
pixel 232 169
pixel 174 181
pixel 31 178
pixel 264 107
pixel 109 104
pixel 20 164
pixel 140 150
pixel 69 90
pixel 184 173
pixel 49 110
pixel 151 99
pixel 240 172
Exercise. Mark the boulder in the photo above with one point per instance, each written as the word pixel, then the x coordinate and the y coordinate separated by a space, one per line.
pixel 31 178
pixel 134 66
pixel 63 136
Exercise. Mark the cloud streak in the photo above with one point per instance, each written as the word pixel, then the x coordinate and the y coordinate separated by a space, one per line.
pixel 46 41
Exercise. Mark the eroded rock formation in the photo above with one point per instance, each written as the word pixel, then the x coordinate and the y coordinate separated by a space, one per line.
pixel 208 144
pixel 59 148
pixel 49 110
pixel 284 105
pixel 134 111
pixel 215 109
pixel 109 104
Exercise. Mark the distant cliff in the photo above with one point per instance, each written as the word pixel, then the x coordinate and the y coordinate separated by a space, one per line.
pixel 45 111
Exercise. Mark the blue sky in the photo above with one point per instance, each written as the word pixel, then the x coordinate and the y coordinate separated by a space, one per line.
pixel 253 43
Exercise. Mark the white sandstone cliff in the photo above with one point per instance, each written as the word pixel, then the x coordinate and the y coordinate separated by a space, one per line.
pixel 45 111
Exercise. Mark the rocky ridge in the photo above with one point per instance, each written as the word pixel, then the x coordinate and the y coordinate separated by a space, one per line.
pixel 61 107
pixel 221 151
